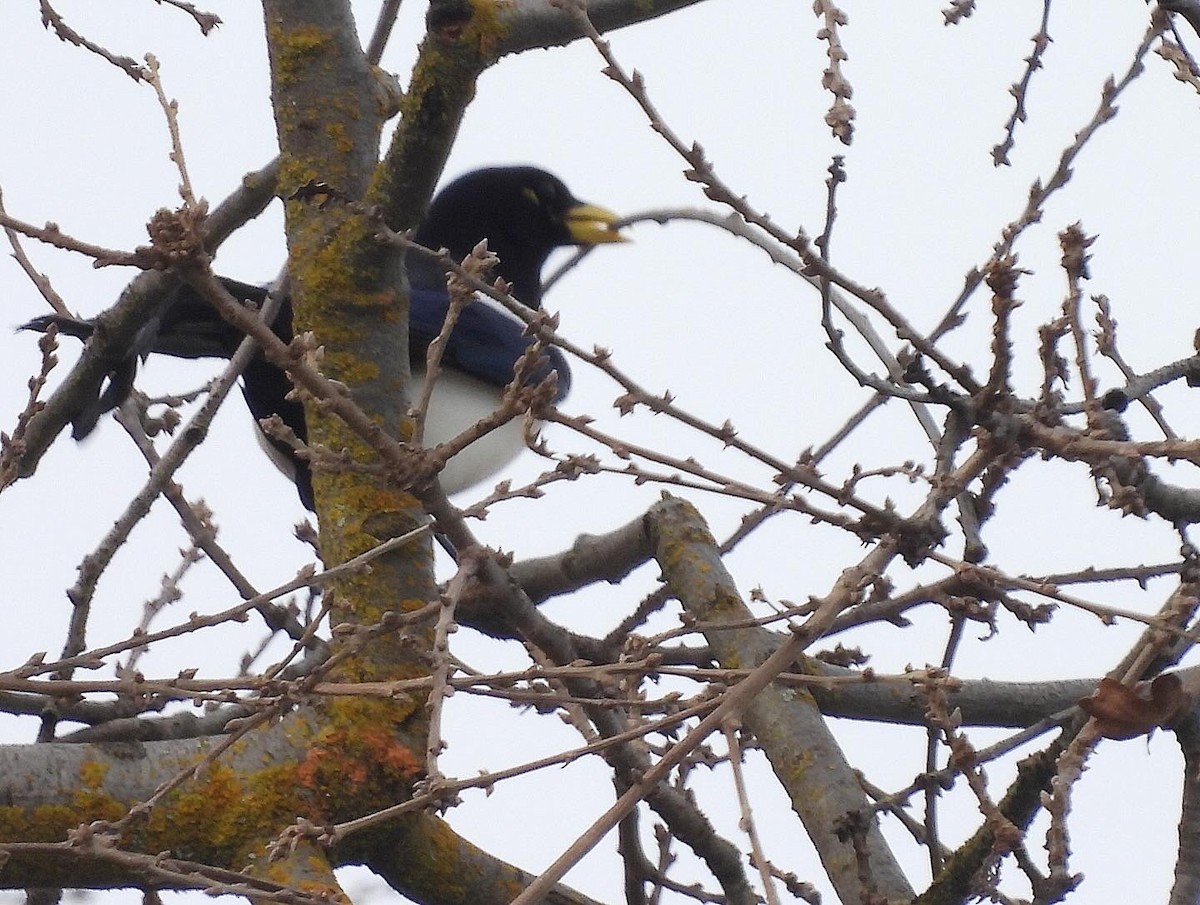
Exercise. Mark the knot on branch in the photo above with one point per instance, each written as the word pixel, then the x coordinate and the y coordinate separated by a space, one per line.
pixel 1075 243
pixel 1002 276
pixel 176 236
pixel 448 19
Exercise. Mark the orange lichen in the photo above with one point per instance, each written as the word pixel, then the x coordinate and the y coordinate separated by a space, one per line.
pixel 361 756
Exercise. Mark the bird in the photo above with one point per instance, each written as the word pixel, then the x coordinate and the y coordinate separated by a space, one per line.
pixel 524 213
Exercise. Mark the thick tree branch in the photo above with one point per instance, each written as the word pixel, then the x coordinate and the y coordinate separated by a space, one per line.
pixel 807 760
pixel 530 24
pixel 1187 867
pixel 422 858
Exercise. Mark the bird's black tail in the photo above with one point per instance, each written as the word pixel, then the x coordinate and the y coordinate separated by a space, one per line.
pixel 71 326
pixel 187 328
pixel 117 386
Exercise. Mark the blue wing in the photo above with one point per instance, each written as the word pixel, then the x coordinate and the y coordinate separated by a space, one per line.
pixel 485 343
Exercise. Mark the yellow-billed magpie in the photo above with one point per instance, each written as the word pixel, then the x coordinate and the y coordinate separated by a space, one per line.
pixel 523 212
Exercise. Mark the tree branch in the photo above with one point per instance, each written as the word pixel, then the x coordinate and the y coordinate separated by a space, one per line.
pixel 807 760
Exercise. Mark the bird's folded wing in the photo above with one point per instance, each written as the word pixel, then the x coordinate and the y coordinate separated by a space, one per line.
pixel 485 342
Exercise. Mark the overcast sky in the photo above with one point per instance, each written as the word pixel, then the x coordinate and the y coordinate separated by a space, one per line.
pixel 684 307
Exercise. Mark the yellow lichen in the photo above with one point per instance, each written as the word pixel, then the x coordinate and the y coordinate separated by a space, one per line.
pixel 92 773
pixel 296 51
pixel 337 133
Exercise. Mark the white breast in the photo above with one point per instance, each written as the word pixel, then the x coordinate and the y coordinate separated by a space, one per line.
pixel 458 402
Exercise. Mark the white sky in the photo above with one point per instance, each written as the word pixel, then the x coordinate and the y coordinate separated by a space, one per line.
pixel 683 307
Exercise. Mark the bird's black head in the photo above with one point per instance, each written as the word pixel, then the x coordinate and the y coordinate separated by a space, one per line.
pixel 523 212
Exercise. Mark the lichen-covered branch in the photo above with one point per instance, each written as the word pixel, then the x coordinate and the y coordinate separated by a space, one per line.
pixel 806 758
